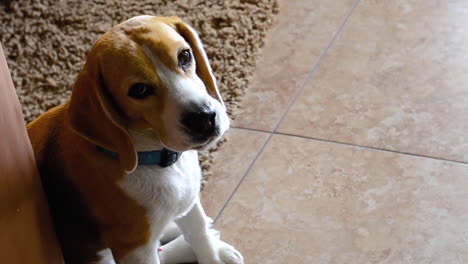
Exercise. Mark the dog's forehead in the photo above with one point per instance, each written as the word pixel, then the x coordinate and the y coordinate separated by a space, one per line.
pixel 150 31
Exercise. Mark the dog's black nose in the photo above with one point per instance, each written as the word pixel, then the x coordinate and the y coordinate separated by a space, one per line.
pixel 200 123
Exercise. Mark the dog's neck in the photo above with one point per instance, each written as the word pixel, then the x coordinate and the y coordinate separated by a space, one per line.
pixel 145 140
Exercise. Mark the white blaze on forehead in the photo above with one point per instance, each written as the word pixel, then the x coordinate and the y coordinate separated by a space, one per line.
pixel 183 89
pixel 151 56
pixel 164 73
pixel 176 83
pixel 137 21
pixel 139 18
pixel 166 34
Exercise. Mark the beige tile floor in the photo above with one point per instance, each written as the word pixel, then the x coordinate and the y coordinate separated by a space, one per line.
pixel 351 145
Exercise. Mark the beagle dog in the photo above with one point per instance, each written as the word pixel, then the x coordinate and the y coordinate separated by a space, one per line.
pixel 119 161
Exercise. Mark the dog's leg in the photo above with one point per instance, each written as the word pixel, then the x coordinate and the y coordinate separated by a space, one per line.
pixel 171 232
pixel 178 250
pixel 144 254
pixel 106 257
pixel 175 249
pixel 208 248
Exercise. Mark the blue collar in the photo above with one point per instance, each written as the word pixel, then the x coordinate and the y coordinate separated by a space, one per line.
pixel 163 157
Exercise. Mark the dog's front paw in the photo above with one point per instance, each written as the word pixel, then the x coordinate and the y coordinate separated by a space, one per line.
pixel 229 255
pixel 224 254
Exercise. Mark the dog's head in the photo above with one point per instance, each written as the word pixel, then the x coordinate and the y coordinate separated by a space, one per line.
pixel 148 73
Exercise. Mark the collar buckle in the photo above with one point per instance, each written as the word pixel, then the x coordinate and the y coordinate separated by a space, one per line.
pixel 168 158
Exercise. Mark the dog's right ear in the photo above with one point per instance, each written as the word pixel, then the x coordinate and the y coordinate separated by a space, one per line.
pixel 93 115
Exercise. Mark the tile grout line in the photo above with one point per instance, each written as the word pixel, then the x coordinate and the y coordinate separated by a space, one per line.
pixel 316 65
pixel 253 129
pixel 358 146
pixel 243 177
pixel 373 148
pixel 293 100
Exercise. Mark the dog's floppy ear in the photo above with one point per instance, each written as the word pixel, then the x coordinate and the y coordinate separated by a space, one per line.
pixel 94 116
pixel 203 66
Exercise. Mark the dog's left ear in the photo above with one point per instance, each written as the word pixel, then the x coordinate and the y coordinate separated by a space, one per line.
pixel 203 66
pixel 93 116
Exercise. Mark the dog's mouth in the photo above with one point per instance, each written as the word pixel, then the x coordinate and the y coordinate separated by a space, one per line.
pixel 201 141
pixel 198 144
pixel 206 144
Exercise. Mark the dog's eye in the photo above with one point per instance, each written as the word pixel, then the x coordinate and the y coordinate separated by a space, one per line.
pixel 185 59
pixel 140 91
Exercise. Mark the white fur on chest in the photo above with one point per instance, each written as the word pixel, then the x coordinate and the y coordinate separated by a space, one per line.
pixel 166 193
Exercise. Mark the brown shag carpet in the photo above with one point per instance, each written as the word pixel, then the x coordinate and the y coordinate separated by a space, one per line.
pixel 45 42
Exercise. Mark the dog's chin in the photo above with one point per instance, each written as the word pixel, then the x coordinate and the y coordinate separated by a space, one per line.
pixel 206 145
pixel 192 145
pixel 186 141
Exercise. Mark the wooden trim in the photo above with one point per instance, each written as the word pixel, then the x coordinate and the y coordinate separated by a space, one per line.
pixel 26 232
